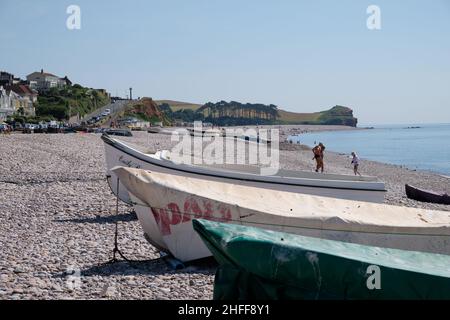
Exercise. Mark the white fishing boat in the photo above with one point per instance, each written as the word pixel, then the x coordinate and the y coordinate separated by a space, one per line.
pixel 167 203
pixel 118 153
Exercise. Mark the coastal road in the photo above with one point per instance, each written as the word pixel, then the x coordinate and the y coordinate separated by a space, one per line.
pixel 114 107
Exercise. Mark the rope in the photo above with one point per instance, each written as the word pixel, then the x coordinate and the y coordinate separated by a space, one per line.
pixel 116 233
pixel 116 249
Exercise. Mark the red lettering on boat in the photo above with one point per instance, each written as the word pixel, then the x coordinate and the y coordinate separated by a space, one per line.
pixel 162 220
pixel 225 213
pixel 176 214
pixel 186 211
pixel 208 211
pixel 173 216
pixel 193 208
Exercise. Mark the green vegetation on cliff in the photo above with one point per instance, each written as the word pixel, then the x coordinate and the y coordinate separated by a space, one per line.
pixel 62 103
pixel 178 105
pixel 338 115
pixel 235 113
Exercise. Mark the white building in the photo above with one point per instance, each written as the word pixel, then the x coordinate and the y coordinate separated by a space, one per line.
pixel 24 104
pixel 13 102
pixel 6 105
pixel 44 81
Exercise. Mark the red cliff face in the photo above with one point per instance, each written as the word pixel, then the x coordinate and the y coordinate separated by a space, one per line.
pixel 147 107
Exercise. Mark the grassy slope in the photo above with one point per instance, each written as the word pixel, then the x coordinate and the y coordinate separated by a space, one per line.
pixel 293 117
pixel 178 105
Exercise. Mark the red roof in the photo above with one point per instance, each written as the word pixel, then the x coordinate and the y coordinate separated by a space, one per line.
pixel 43 73
pixel 22 89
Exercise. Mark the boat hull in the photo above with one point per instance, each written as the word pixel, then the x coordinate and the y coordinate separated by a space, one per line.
pixel 148 223
pixel 261 264
pixel 426 196
pixel 176 200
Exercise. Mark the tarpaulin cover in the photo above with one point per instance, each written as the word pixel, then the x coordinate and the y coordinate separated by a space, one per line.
pixel 262 264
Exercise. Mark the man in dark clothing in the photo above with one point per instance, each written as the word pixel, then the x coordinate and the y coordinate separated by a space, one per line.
pixel 318 156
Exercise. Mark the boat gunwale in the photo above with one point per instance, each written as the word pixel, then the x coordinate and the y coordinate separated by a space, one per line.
pixel 123 147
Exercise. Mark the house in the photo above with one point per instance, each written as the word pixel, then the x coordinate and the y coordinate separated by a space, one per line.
pixel 28 98
pixel 6 105
pixel 12 102
pixel 17 81
pixel 24 91
pixel 43 81
pixel 67 81
pixel 6 79
pixel 20 105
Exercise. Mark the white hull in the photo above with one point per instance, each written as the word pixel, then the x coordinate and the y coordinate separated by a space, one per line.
pixel 327 185
pixel 176 200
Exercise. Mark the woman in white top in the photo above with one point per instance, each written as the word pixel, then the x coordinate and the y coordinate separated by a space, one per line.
pixel 355 162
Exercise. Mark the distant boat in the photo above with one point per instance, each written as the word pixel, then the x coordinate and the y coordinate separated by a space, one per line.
pixel 161 130
pixel 166 203
pixel 118 153
pixel 426 195
pixel 260 264
pixel 119 132
pixel 204 132
pixel 154 130
pixel 256 139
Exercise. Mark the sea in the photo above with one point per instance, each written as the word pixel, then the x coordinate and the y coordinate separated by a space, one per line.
pixel 415 146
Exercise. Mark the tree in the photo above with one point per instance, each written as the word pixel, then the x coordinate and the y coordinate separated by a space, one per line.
pixel 57 111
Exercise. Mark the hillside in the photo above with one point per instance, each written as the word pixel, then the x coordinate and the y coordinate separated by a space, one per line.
pixel 338 115
pixel 235 113
pixel 178 105
pixel 61 103
pixel 293 117
pixel 148 110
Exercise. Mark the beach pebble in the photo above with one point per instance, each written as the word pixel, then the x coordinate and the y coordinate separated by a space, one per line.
pixel 57 220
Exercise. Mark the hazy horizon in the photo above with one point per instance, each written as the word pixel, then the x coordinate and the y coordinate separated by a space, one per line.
pixel 302 56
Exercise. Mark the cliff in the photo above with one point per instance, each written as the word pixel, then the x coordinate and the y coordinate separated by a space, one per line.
pixel 235 113
pixel 338 115
pixel 146 109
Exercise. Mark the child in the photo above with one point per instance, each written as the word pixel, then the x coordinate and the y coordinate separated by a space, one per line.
pixel 355 162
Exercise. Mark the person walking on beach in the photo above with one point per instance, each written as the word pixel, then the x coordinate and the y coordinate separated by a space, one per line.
pixel 355 162
pixel 318 156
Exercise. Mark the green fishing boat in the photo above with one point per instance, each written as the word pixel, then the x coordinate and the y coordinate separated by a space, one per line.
pixel 263 264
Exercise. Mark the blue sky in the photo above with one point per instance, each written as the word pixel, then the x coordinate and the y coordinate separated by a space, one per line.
pixel 303 56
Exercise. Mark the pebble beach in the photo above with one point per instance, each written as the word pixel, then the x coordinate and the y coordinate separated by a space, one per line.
pixel 58 215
